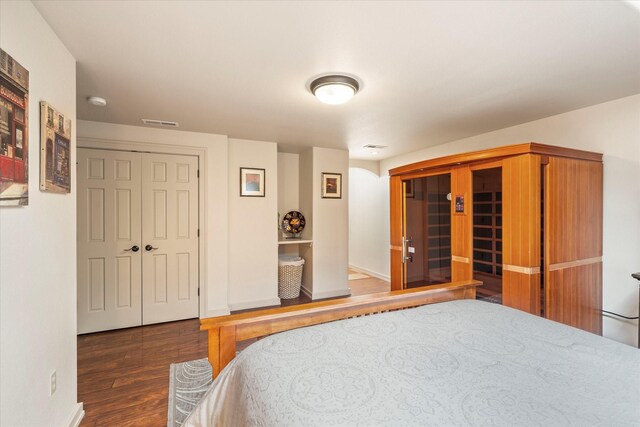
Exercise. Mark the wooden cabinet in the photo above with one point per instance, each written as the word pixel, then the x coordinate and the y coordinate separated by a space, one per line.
pixel 540 233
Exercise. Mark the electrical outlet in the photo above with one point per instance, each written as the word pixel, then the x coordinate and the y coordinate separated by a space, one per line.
pixel 54 383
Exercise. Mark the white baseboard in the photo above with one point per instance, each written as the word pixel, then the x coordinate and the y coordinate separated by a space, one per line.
pixel 77 416
pixel 369 273
pixel 254 304
pixel 332 294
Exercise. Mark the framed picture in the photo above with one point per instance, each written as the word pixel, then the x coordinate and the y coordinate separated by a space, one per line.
pixel 14 132
pixel 459 203
pixel 331 185
pixel 55 150
pixel 252 182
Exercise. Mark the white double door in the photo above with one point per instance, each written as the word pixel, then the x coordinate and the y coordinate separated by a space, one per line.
pixel 137 239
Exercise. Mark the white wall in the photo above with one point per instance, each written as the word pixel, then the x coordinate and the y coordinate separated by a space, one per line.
pixel 368 219
pixel 288 194
pixel 288 186
pixel 253 231
pixel 611 128
pixel 215 178
pixel 38 246
pixel 306 202
pixel 330 226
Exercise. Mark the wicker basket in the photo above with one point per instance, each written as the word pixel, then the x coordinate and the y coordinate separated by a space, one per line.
pixel 289 277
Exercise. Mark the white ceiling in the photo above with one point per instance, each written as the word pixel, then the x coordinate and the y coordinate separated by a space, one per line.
pixel 431 72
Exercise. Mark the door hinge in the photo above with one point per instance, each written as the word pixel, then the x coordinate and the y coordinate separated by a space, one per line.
pixel 198 173
pixel 198 232
pixel 198 291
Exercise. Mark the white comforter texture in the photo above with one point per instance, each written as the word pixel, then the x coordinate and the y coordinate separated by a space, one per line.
pixel 458 363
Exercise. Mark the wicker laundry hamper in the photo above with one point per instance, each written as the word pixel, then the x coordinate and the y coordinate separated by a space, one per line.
pixel 289 276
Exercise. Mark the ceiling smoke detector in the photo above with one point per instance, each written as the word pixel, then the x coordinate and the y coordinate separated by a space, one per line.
pixel 165 123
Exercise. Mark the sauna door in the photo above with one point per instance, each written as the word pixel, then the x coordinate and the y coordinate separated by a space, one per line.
pixel 426 237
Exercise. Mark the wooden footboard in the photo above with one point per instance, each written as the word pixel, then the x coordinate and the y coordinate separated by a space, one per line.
pixel 225 331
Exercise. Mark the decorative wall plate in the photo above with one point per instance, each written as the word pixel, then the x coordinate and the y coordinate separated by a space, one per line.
pixel 293 222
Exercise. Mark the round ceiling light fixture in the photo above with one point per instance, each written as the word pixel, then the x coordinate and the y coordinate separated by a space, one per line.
pixel 97 101
pixel 334 89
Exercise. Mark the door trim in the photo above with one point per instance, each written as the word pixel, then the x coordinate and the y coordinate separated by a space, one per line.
pixel 159 148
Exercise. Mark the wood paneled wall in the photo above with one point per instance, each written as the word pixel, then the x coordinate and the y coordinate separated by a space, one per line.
pixel 521 232
pixel 573 243
pixel 462 225
pixel 396 215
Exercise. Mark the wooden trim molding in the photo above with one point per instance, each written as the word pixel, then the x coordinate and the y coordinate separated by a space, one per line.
pixel 460 259
pixel 225 331
pixel 496 154
pixel 576 263
pixel 521 269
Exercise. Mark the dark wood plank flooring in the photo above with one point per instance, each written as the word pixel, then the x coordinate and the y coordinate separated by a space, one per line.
pixel 123 375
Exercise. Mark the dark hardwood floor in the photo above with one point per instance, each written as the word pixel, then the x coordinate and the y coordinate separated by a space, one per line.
pixel 123 375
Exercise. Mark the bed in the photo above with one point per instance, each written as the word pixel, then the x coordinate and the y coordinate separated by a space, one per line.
pixel 447 360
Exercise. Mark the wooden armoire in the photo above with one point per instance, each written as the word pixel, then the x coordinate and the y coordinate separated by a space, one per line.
pixel 537 230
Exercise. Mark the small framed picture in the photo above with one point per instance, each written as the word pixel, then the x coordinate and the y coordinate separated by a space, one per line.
pixel 331 185
pixel 252 182
pixel 459 203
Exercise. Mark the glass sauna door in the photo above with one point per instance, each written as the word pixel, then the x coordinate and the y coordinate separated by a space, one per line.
pixel 427 231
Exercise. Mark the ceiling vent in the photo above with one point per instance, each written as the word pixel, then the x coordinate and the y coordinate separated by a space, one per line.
pixel 160 123
pixel 374 147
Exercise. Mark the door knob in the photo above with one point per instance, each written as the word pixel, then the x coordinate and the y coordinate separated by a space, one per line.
pixel 133 248
pixel 149 248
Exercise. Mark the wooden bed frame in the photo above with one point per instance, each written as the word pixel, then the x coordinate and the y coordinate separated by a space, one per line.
pixel 225 331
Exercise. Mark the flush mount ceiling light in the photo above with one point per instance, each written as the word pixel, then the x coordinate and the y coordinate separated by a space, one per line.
pixel 374 149
pixel 334 89
pixel 97 101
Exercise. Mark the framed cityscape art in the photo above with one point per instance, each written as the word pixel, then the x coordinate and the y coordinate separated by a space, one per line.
pixel 14 132
pixel 55 150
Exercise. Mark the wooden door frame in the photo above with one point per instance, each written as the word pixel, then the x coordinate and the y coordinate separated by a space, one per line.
pixel 397 220
pixel 158 148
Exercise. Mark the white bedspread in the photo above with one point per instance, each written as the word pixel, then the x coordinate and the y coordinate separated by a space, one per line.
pixel 455 363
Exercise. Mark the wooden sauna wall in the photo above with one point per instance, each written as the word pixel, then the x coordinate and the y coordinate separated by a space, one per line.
pixel 462 225
pixel 573 243
pixel 396 220
pixel 571 264
pixel 521 232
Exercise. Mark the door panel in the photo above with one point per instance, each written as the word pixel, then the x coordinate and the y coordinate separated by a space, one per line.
pixel 109 282
pixel 170 231
pixel 426 230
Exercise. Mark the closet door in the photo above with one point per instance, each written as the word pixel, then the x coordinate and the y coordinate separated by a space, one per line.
pixel 169 237
pixel 109 246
